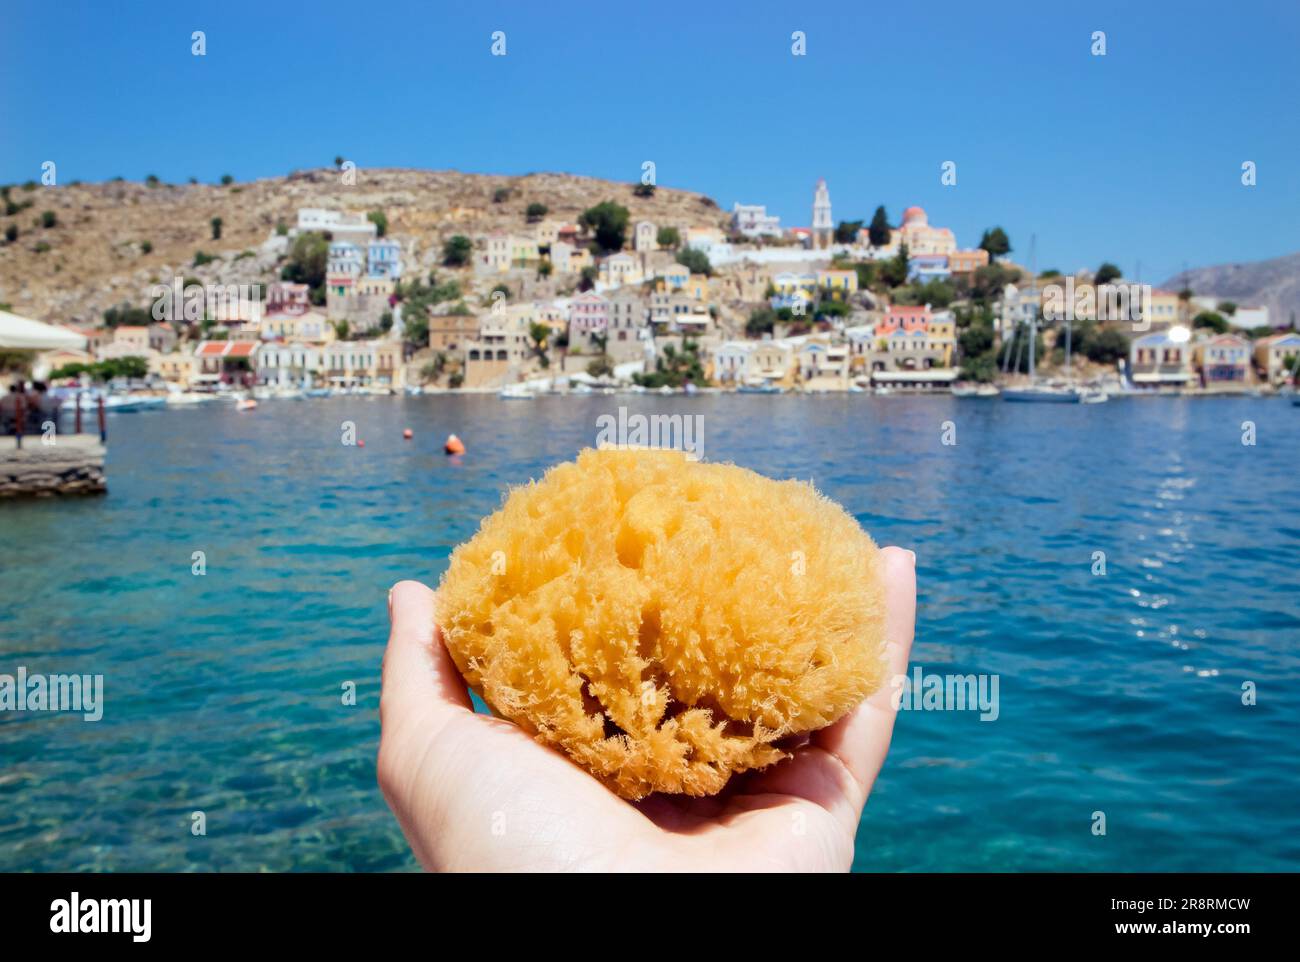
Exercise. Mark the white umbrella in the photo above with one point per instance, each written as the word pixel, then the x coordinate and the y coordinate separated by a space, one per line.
pixel 24 334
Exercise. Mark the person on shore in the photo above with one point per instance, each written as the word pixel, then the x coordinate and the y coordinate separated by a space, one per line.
pixel 475 793
pixel 9 407
pixel 41 404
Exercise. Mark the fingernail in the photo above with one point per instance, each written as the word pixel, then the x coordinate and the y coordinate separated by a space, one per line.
pixel 913 554
pixel 390 602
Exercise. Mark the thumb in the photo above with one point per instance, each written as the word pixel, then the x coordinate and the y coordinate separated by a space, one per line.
pixel 420 681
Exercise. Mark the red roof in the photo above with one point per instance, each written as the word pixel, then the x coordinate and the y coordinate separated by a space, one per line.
pixel 226 349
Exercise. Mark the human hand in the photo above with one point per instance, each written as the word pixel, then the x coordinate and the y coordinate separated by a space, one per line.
pixel 477 793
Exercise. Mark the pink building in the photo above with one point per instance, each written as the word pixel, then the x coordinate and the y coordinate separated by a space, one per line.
pixel 903 317
pixel 283 297
pixel 589 313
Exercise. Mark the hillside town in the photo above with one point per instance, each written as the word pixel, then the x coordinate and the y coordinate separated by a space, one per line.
pixel 604 302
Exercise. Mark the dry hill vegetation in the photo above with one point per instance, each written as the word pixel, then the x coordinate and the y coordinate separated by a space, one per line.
pixel 108 243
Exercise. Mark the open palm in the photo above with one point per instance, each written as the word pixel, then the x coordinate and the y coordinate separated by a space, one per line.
pixel 476 793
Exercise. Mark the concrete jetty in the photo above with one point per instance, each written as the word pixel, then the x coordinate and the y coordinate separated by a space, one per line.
pixel 65 464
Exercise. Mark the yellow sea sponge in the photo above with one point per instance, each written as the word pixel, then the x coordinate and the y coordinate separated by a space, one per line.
pixel 662 621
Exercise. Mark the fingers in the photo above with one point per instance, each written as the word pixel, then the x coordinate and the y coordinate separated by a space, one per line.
pixel 860 740
pixel 420 681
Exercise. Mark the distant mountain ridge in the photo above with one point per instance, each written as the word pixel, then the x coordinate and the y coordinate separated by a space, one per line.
pixel 1272 283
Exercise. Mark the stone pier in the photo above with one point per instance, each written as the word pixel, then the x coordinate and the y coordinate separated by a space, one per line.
pixel 67 464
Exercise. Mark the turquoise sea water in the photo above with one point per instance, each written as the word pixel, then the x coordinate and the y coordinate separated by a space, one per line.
pixel 1119 693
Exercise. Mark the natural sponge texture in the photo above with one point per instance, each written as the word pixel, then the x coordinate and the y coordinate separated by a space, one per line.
pixel 663 622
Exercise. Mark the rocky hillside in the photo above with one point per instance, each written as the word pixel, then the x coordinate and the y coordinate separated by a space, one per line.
pixel 112 241
pixel 1275 283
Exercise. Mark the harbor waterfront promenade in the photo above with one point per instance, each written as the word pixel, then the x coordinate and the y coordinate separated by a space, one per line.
pixel 1111 577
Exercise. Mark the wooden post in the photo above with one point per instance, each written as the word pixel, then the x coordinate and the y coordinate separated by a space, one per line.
pixel 78 398
pixel 20 415
pixel 103 428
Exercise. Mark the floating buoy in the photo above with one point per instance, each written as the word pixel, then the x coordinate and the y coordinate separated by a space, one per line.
pixel 408 434
pixel 361 444
pixel 454 445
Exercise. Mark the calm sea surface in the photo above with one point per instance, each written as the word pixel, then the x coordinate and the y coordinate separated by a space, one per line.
pixel 1119 693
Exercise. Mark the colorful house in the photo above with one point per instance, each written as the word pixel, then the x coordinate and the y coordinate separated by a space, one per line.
pixel 904 317
pixel 1224 360
pixel 384 259
pixel 1161 359
pixel 839 283
pixel 967 262
pixel 922 268
pixel 1275 357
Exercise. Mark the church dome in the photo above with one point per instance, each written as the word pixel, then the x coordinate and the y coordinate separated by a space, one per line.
pixel 915 215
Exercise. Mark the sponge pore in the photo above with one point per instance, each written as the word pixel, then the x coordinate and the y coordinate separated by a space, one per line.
pixel 665 622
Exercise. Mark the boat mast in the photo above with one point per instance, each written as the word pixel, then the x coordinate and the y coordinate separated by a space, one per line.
pixel 1033 310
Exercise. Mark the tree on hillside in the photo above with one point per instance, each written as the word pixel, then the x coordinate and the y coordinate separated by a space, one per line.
pixel 1108 272
pixel 216 228
pixel 846 232
pixel 308 259
pixel 878 232
pixel 990 281
pixel 456 252
pixel 535 212
pixel 697 261
pixel 669 237
pixel 996 242
pixel 608 222
pixel 380 220
pixel 1212 320
pixel 894 271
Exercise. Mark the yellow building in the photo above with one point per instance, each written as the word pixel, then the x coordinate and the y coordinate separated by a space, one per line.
pixel 841 283
pixel 943 336
pixel 1166 309
pixel 697 286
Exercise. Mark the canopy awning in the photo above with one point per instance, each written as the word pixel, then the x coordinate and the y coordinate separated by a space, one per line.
pixel 24 334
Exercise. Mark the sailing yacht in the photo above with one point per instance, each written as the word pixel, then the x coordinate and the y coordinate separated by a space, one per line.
pixel 1035 392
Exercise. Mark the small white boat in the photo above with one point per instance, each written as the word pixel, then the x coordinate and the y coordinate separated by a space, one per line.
pixel 1093 397
pixel 967 389
pixel 517 392
pixel 189 398
pixel 122 403
pixel 246 404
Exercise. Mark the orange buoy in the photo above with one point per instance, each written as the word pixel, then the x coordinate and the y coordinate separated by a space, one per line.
pixel 408 434
pixel 454 445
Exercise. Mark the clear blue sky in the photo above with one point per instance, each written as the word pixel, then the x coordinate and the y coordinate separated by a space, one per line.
pixel 1135 156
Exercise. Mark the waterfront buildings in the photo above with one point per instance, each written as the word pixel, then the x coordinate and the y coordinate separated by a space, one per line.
pixel 1161 359
pixel 1223 360
pixel 1275 356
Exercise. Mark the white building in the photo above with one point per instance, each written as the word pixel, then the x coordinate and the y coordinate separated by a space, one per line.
pixel 646 237
pixel 344 226
pixel 753 220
